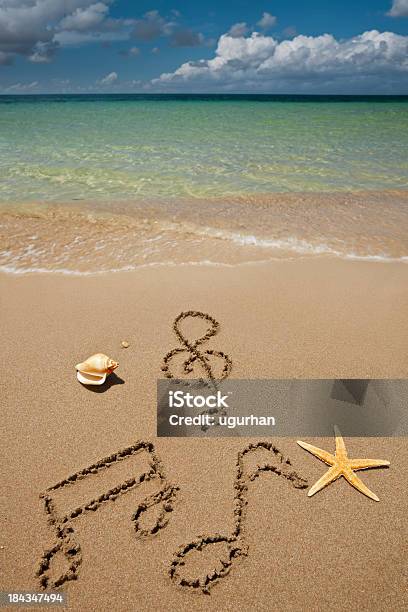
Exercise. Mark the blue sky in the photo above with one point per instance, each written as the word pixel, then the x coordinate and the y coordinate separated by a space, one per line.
pixel 316 46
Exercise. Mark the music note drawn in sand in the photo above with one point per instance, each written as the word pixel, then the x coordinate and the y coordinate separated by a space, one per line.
pixel 196 355
pixel 66 544
pixel 235 541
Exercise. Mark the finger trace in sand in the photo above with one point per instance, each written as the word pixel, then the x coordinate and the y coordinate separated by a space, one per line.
pixel 66 545
pixel 191 347
pixel 235 541
pixel 197 356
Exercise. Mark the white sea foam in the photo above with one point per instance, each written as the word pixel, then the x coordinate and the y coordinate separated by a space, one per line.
pixel 9 269
pixel 297 246
pixel 22 271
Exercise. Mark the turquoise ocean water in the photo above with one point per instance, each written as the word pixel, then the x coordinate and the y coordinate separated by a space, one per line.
pixel 184 178
pixel 63 147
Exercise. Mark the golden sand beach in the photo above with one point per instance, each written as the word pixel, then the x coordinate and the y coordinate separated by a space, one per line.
pixel 315 318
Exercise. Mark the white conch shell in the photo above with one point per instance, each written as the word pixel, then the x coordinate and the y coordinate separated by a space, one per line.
pixel 95 369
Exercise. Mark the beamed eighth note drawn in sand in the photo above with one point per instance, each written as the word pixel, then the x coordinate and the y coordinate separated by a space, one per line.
pixel 233 543
pixel 62 523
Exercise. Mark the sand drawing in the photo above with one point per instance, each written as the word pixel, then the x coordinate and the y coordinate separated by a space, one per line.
pixel 234 541
pixel 194 354
pixel 66 544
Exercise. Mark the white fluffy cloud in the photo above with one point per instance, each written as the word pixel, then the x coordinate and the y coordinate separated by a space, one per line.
pixel 86 18
pixel 262 63
pixel 134 51
pixel 267 21
pixel 238 30
pixel 36 28
pixel 22 87
pixel 399 8
pixel 109 79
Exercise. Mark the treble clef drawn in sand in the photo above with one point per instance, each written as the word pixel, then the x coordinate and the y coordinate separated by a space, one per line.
pixel 235 541
pixel 196 356
pixel 66 545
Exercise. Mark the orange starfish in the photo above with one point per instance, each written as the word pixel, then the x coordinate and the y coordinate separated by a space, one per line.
pixel 341 465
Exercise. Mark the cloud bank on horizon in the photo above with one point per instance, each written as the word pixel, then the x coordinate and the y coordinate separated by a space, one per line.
pixel 261 63
pixel 245 58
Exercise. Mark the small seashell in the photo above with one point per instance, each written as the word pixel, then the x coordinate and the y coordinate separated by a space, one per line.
pixel 95 369
pixel 124 344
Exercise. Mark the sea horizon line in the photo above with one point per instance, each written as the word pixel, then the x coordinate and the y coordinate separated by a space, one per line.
pixel 199 95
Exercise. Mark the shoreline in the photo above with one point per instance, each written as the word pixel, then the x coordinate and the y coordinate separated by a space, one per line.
pixel 89 237
pixel 370 260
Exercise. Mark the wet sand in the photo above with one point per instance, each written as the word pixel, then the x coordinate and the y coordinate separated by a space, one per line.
pixel 319 318
pixel 79 237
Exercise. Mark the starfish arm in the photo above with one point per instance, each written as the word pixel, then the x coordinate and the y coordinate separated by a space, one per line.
pixel 318 452
pixel 332 474
pixel 359 484
pixel 363 464
pixel 340 446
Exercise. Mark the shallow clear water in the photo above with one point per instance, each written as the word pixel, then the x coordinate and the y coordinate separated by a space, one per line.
pixel 61 148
